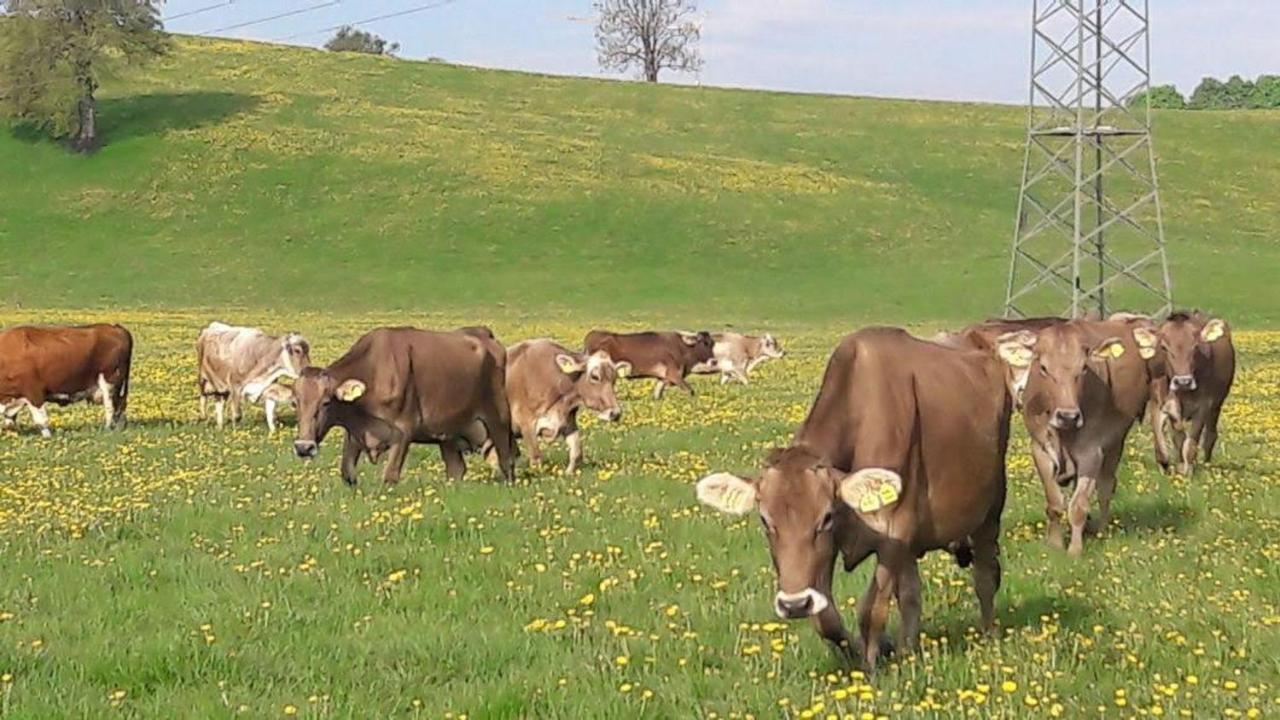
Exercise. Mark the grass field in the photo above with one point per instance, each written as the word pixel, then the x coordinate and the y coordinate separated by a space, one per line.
pixel 270 178
pixel 171 570
pixel 174 571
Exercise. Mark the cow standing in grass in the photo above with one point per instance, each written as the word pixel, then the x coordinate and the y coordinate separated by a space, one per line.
pixel 1199 363
pixel 666 357
pixel 734 355
pixel 237 363
pixel 903 452
pixel 63 365
pixel 1086 386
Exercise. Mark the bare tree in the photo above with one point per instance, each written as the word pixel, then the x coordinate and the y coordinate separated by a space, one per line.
pixel 649 35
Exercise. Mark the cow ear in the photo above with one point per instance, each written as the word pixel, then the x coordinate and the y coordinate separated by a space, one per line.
pixel 349 390
pixel 569 364
pixel 1109 349
pixel 727 493
pixel 689 338
pixel 623 368
pixel 1147 341
pixel 1213 330
pixel 871 489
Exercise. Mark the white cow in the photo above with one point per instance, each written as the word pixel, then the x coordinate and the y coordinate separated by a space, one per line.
pixel 242 362
pixel 736 355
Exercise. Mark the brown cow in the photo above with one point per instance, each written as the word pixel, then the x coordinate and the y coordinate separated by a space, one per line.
pixel 902 453
pixel 548 384
pixel 1087 384
pixel 1199 363
pixel 398 386
pixel 63 365
pixel 667 357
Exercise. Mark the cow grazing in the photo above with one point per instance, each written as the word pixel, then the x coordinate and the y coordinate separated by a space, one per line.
pixel 548 384
pixel 1086 386
pixel 902 452
pixel 667 357
pixel 400 386
pixel 62 365
pixel 1199 363
pixel 235 363
pixel 736 355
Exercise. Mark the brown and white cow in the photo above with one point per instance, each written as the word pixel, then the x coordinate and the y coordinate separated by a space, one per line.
pixel 735 355
pixel 547 384
pixel 903 452
pixel 667 357
pixel 1198 360
pixel 400 386
pixel 236 363
pixel 1086 386
pixel 62 365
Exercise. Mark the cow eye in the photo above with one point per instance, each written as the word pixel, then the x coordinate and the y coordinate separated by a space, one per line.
pixel 595 377
pixel 824 525
pixel 1044 371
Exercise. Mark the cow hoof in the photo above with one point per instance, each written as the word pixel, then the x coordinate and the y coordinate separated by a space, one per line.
pixel 1075 550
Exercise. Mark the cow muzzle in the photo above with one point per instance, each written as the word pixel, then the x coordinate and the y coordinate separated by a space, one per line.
pixel 794 606
pixel 611 415
pixel 1067 419
pixel 1182 382
pixel 305 449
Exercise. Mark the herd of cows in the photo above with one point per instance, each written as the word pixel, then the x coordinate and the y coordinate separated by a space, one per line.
pixel 902 452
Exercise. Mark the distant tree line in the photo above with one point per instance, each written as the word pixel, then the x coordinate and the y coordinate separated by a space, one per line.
pixel 349 39
pixel 1213 94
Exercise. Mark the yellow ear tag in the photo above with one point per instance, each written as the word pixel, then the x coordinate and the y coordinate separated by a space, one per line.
pixel 869 503
pixel 737 499
pixel 1117 350
pixel 350 391
pixel 1146 353
pixel 888 494
pixel 871 489
pixel 566 363
pixel 1212 331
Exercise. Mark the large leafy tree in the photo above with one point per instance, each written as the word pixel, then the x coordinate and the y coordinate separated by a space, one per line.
pixel 54 55
pixel 648 35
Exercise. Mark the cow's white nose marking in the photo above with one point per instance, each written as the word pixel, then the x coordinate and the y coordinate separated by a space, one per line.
pixel 817 601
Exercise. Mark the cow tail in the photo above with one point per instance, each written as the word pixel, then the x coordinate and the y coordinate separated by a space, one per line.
pixel 122 388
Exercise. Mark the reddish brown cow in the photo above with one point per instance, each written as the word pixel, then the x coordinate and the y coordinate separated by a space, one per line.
pixel 63 365
pixel 398 386
pixel 1087 384
pixel 548 384
pixel 667 357
pixel 1198 360
pixel 902 453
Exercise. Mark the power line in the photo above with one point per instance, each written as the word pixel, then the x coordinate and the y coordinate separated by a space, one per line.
pixel 277 16
pixel 197 11
pixel 366 21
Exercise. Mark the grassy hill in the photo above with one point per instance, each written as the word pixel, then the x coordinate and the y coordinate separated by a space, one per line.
pixel 245 175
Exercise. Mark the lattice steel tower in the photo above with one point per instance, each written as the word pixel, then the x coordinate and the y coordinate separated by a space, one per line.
pixel 1090 231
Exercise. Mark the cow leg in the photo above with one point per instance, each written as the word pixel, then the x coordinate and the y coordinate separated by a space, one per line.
pixel 1106 488
pixel 986 571
pixel 1079 512
pixel 658 388
pixel 529 433
pixel 108 401
pixel 269 406
pixel 1055 505
pixel 574 441
pixel 1210 438
pixel 454 466
pixel 828 622
pixel 725 378
pixel 395 460
pixel 1159 431
pixel 219 410
pixel 1191 444
pixel 204 407
pixel 873 613
pixel 680 382
pixel 40 417
pixel 350 457
pixel 909 604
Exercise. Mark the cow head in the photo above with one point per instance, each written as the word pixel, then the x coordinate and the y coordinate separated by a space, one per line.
pixel 702 346
pixel 771 348
pixel 320 399
pixel 1185 341
pixel 295 354
pixel 594 377
pixel 804 504
pixel 1053 363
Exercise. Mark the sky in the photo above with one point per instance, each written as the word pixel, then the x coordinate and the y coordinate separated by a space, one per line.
pixel 936 49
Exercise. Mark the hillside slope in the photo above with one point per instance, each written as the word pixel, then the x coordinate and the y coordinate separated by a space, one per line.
pixel 246 175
